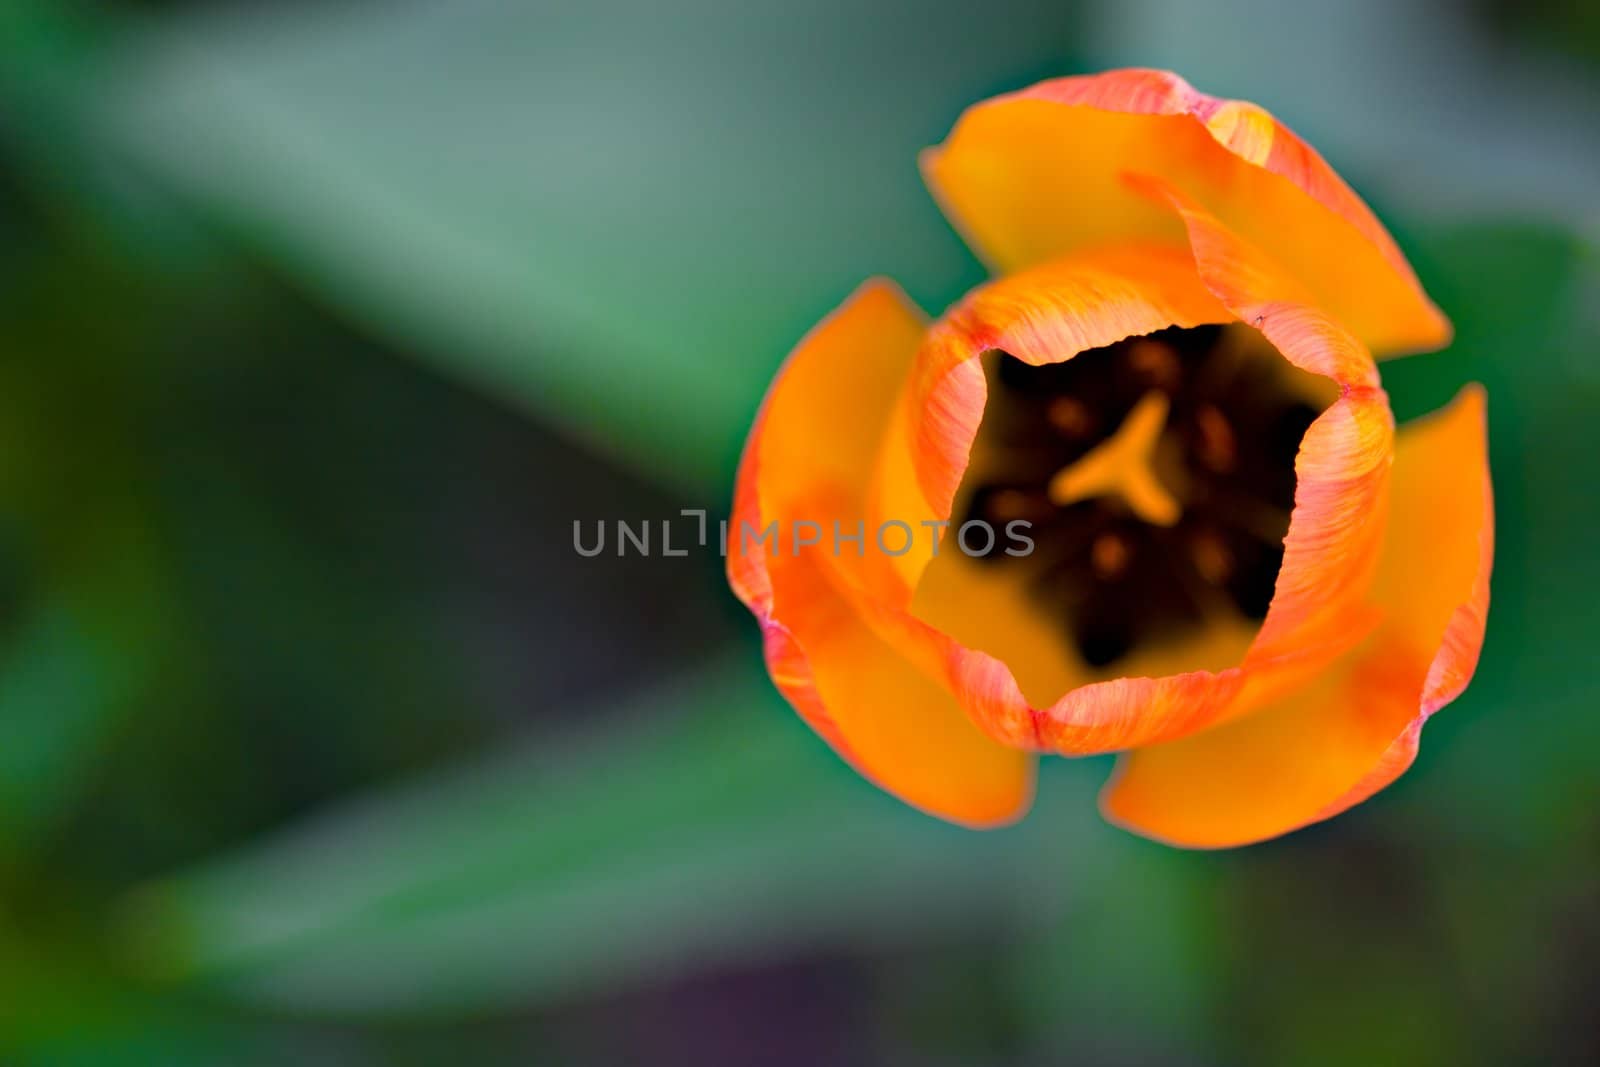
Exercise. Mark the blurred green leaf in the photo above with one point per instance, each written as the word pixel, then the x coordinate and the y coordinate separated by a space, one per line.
pixel 1138 932
pixel 1523 299
pixel 59 689
pixel 620 222
pixel 701 822
pixel 86 621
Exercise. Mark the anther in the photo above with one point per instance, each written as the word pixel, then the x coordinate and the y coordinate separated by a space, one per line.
pixel 1211 557
pixel 1155 363
pixel 1110 555
pixel 1004 505
pixel 1216 447
pixel 1070 416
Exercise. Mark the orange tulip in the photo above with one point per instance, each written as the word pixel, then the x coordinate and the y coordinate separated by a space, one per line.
pixel 1226 564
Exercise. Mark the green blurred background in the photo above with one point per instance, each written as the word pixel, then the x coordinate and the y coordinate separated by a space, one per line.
pixel 321 322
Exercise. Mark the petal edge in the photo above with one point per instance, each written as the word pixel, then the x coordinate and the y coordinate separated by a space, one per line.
pixel 1357 728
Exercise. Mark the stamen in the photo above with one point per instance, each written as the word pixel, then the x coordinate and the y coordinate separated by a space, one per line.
pixel 1155 363
pixel 1211 557
pixel 1216 446
pixel 1121 466
pixel 1004 505
pixel 1070 415
pixel 1110 555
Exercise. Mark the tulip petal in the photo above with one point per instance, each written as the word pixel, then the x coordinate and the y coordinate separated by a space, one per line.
pixel 1034 175
pixel 1043 315
pixel 1047 314
pixel 1357 727
pixel 895 723
pixel 820 423
pixel 1320 607
pixel 808 460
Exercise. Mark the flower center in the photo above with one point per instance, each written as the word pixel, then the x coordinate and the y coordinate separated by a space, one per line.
pixel 1157 475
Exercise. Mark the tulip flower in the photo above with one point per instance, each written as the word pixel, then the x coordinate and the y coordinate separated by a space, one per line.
pixel 1140 493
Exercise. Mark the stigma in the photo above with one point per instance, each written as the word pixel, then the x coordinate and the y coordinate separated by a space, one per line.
pixel 1121 466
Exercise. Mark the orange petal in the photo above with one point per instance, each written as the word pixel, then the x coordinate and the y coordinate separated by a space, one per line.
pixel 1042 315
pixel 1356 727
pixel 1050 313
pixel 821 421
pixel 1035 175
pixel 1320 605
pixel 807 460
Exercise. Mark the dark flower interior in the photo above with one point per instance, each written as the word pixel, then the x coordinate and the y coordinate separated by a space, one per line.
pixel 1158 477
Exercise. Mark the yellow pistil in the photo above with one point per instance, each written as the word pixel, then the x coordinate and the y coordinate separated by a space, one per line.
pixel 1121 466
